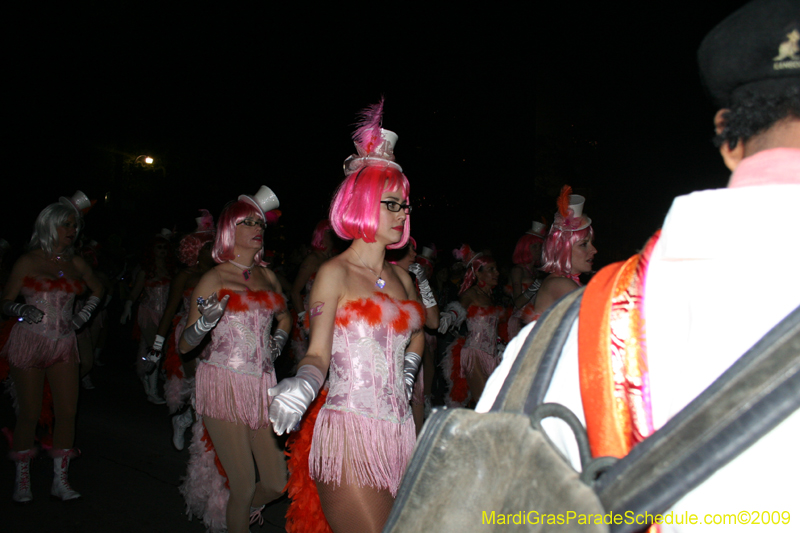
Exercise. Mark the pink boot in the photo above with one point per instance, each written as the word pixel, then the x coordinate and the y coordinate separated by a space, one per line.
pixel 22 483
pixel 61 488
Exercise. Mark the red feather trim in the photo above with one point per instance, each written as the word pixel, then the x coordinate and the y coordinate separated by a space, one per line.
pixel 245 301
pixel 563 201
pixel 305 510
pixel 405 315
pixel 48 285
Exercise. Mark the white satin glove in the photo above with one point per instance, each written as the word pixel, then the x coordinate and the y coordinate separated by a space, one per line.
pixel 126 312
pixel 277 342
pixel 153 355
pixel 452 316
pixel 411 364
pixel 83 316
pixel 211 310
pixel 292 396
pixel 27 312
pixel 424 287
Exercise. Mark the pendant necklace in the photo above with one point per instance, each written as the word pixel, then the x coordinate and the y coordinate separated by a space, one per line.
pixel 380 282
pixel 247 271
pixel 56 260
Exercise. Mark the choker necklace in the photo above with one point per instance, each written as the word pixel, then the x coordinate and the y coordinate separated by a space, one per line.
pixel 380 282
pixel 247 271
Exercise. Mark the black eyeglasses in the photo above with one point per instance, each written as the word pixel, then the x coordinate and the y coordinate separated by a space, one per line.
pixel 394 207
pixel 249 222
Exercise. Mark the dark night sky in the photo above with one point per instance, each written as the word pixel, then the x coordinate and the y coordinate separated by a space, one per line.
pixel 495 109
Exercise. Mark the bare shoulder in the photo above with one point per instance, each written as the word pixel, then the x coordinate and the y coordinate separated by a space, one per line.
pixel 405 279
pixel 210 282
pixel 467 298
pixel 333 270
pixel 80 264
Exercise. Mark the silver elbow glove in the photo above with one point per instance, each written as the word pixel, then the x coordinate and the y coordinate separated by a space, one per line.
pixel 211 310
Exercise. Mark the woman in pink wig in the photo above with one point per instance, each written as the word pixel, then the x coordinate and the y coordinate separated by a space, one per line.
pixel 525 284
pixel 321 251
pixel 239 301
pixel 365 334
pixel 470 361
pixel 568 252
pixel 43 344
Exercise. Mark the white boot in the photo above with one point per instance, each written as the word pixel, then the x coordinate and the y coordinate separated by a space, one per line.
pixel 22 483
pixel 61 488
pixel 86 382
pixel 180 423
pixel 151 388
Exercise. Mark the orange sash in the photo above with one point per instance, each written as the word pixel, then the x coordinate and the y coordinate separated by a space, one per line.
pixel 612 357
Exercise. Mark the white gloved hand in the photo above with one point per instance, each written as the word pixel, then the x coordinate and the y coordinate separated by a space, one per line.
pixel 211 311
pixel 292 396
pixel 126 312
pixel 27 312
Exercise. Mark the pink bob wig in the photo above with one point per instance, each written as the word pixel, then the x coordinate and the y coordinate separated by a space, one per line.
pixel 557 253
pixel 522 252
pixel 474 267
pixel 190 246
pixel 318 237
pixel 231 215
pixel 355 210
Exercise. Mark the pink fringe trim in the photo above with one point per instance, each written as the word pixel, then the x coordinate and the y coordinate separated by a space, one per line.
pixel 203 488
pixel 227 395
pixel 470 356
pixel 26 349
pixel 371 452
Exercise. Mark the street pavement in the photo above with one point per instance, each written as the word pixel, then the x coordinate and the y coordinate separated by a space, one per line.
pixel 129 471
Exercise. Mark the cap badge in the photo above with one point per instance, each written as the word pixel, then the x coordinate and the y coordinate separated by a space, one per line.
pixel 788 52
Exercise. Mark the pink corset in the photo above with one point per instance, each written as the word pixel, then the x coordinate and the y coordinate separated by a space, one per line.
pixel 369 343
pixel 154 301
pixel 365 433
pixel 482 326
pixel 240 341
pixel 56 299
pixel 235 371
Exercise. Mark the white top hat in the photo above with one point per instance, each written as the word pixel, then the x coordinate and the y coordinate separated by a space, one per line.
pixel 383 154
pixel 165 234
pixel 79 202
pixel 538 229
pixel 575 220
pixel 265 200
pixel 427 253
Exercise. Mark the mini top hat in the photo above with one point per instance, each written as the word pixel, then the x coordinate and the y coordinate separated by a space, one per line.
pixel 165 234
pixel 264 200
pixel 427 253
pixel 538 230
pixel 205 223
pixel 79 202
pixel 570 215
pixel 375 145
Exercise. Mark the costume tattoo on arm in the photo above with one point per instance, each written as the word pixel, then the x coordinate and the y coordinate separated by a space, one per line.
pixel 316 310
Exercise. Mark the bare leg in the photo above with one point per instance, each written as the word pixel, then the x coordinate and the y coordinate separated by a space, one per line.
pixel 351 508
pixel 476 381
pixel 271 466
pixel 232 444
pixel 63 378
pixel 29 384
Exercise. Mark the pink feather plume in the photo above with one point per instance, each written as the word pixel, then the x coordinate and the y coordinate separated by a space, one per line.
pixel 368 132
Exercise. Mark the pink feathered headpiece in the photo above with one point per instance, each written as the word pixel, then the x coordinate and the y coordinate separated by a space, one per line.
pixel 374 145
pixel 190 246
